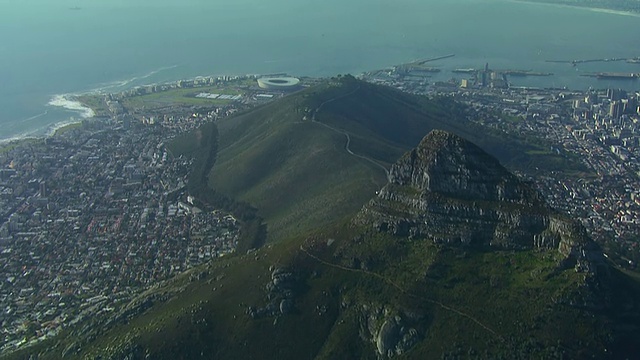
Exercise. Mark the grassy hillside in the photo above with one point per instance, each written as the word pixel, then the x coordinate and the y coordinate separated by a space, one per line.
pixel 316 156
pixel 461 304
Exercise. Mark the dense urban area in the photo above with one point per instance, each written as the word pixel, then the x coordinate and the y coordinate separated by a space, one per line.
pixel 97 213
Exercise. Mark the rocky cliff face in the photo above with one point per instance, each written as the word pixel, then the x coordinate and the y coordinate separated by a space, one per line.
pixel 450 191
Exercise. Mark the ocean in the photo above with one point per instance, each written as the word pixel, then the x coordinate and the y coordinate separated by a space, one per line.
pixel 50 49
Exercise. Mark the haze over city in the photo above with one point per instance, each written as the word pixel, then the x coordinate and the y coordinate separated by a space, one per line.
pixel 327 180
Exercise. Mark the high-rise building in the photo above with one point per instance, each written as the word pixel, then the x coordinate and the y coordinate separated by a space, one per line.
pixel 43 189
pixel 483 78
pixel 630 105
pixel 616 94
pixel 591 98
pixel 616 109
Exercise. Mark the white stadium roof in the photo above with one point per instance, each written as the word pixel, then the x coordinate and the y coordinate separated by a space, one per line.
pixel 278 82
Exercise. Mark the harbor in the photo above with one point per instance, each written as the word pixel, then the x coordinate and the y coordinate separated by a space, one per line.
pixel 511 72
pixel 423 69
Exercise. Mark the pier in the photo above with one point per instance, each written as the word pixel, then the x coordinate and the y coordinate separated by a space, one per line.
pixel 424 61
pixel 524 73
pixel 575 62
pixel 613 75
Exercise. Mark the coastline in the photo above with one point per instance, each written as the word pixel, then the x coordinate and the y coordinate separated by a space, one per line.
pixel 54 130
pixel 70 102
pixel 10 144
pixel 62 127
pixel 66 101
pixel 587 8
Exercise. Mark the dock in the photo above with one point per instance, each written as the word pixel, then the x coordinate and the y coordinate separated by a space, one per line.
pixel 524 73
pixel 613 75
pixel 423 61
pixel 575 62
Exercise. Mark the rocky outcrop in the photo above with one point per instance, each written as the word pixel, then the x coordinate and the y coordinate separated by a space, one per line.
pixel 450 191
pixel 281 293
pixel 447 164
pixel 390 331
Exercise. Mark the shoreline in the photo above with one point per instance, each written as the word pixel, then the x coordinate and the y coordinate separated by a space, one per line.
pixel 65 101
pixel 71 102
pixel 54 130
pixel 586 8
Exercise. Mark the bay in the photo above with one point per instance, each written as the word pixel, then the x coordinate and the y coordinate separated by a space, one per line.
pixel 70 46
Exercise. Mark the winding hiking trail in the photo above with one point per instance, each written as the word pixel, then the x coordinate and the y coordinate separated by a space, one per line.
pixel 402 290
pixel 369 273
pixel 346 134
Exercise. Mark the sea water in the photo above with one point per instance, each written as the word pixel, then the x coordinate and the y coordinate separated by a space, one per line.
pixel 50 49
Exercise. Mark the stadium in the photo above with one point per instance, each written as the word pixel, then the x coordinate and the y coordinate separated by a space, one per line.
pixel 279 83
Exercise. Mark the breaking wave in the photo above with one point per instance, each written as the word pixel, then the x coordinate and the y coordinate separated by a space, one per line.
pixel 118 84
pixel 69 103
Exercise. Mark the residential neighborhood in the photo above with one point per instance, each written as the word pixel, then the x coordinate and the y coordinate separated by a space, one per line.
pixel 93 216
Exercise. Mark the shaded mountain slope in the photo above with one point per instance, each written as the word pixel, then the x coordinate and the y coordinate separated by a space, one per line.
pixel 298 175
pixel 316 156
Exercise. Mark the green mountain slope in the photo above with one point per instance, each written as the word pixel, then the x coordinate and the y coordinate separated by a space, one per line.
pixel 316 156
